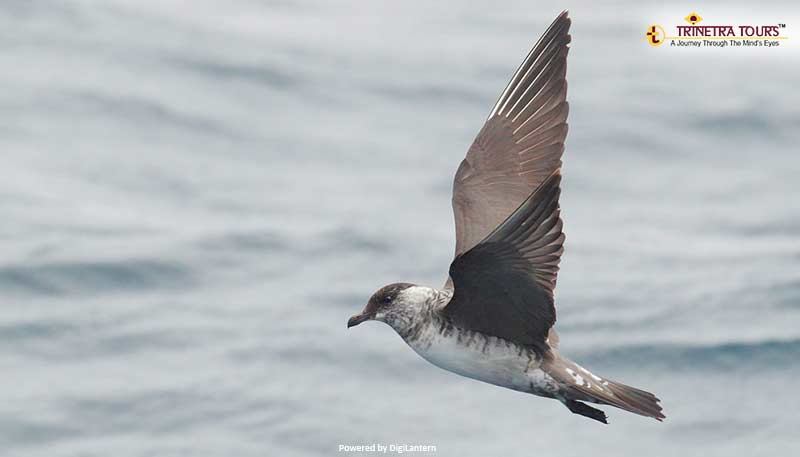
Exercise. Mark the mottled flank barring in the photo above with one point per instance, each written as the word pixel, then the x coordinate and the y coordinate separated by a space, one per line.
pixel 493 320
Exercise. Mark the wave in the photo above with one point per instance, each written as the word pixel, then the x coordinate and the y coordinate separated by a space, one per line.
pixel 764 355
pixel 58 278
pixel 271 76
pixel 145 112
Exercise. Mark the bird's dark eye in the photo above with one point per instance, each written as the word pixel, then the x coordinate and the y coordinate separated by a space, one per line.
pixel 387 299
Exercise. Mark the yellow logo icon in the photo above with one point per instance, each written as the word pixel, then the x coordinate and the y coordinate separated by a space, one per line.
pixel 655 35
pixel 693 18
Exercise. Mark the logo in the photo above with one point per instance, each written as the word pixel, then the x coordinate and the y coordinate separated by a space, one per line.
pixel 655 35
pixel 693 18
pixel 719 36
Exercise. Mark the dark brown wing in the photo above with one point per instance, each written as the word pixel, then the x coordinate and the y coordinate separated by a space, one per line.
pixel 521 143
pixel 504 285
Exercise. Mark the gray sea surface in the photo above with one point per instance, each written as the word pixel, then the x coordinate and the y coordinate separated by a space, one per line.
pixel 195 196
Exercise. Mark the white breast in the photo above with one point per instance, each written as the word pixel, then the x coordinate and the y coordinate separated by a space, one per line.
pixel 477 356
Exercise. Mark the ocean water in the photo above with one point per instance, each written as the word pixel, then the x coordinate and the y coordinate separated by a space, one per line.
pixel 196 196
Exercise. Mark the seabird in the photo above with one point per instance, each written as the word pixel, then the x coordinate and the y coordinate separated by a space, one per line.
pixel 493 319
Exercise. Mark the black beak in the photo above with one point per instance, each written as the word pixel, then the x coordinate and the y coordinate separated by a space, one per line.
pixel 357 319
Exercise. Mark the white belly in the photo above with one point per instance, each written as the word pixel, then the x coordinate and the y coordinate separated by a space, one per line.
pixel 486 359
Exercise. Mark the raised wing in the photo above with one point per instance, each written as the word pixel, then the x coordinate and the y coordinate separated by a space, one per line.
pixel 520 144
pixel 504 284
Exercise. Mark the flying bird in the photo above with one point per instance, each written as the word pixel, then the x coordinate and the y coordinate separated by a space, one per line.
pixel 493 319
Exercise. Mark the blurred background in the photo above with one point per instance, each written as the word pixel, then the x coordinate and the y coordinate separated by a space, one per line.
pixel 195 196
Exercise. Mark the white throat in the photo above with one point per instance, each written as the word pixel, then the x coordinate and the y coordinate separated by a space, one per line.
pixel 409 307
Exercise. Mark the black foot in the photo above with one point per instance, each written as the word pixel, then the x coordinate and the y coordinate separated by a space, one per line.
pixel 586 410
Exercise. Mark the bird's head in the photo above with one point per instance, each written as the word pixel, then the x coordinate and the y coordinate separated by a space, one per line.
pixel 388 304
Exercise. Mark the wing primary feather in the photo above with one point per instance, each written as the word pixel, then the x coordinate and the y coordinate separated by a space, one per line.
pixel 547 69
pixel 548 137
pixel 556 28
pixel 545 120
pixel 519 146
pixel 549 91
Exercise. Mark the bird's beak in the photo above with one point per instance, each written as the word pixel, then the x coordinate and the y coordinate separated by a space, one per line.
pixel 357 319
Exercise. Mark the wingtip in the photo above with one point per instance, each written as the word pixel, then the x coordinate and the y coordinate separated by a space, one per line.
pixel 565 22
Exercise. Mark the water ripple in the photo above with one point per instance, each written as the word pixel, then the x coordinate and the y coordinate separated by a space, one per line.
pixel 57 278
pixel 763 355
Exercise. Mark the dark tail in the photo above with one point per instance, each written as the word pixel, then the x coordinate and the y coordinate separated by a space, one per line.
pixel 578 384
pixel 635 400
